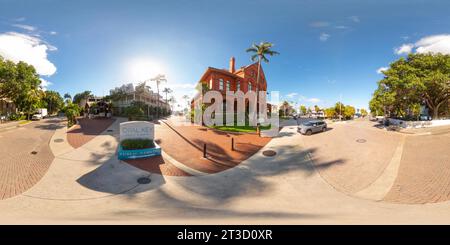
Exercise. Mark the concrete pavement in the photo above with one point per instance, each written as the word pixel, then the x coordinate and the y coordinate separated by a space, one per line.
pixel 285 189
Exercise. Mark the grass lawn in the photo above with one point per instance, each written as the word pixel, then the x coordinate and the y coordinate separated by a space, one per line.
pixel 24 122
pixel 242 129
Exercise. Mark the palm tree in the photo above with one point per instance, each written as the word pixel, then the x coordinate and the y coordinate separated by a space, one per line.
pixel 167 91
pixel 68 97
pixel 158 79
pixel 259 53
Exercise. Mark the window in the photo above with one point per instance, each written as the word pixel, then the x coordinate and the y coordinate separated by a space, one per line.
pixel 210 83
pixel 238 86
pixel 249 86
pixel 228 85
pixel 221 84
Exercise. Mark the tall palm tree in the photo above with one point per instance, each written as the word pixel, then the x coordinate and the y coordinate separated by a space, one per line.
pixel 159 79
pixel 167 91
pixel 68 97
pixel 259 53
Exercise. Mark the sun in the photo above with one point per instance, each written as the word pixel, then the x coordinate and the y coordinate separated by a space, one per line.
pixel 143 69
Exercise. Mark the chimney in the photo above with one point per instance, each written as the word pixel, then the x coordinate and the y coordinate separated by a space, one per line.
pixel 232 70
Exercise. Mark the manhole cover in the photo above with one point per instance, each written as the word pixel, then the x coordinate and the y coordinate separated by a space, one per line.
pixel 34 152
pixel 144 180
pixel 361 140
pixel 269 153
pixel 58 140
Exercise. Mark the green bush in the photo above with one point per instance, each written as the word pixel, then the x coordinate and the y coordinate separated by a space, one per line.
pixel 135 144
pixel 17 117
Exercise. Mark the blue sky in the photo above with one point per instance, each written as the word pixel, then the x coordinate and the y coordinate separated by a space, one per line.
pixel 327 48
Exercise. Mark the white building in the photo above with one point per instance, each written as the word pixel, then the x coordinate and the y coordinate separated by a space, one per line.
pixel 140 93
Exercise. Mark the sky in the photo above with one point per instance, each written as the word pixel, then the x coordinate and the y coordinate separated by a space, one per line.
pixel 329 50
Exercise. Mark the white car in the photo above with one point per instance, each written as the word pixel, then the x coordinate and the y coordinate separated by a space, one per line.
pixel 37 117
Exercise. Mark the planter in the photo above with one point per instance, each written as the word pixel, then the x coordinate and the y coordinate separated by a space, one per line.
pixel 139 153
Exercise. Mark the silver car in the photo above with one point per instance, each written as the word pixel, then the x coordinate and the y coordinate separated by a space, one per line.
pixel 311 127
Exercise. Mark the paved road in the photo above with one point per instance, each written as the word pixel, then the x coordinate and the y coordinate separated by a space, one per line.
pixel 20 169
pixel 418 164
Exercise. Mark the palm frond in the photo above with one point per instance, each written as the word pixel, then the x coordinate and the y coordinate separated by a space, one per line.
pixel 254 57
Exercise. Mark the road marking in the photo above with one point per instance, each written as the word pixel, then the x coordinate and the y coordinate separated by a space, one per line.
pixel 378 189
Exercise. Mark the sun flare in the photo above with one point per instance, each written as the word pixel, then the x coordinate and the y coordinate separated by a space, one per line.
pixel 143 69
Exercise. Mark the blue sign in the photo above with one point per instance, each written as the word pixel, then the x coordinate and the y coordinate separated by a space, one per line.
pixel 139 153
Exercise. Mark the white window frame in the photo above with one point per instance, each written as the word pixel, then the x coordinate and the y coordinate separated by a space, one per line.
pixel 221 84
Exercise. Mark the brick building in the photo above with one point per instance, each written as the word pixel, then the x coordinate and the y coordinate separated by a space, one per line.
pixel 243 79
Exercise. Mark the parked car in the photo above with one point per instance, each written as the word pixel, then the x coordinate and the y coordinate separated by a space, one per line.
pixel 42 113
pixel 311 127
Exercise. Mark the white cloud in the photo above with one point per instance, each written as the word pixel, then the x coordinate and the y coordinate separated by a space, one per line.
pixel 318 24
pixel 354 18
pixel 428 44
pixel 313 100
pixel 53 33
pixel 404 49
pixel 25 27
pixel 342 27
pixel 381 69
pixel 291 95
pixel 324 37
pixel 30 49
pixel 434 44
pixel 45 84
pixel 20 19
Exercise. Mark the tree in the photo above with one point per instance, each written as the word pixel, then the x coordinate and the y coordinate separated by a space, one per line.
pixel 159 79
pixel 364 112
pixel 21 84
pixel 53 101
pixel 349 112
pixel 316 108
pixel 303 109
pixel 72 111
pixel 330 112
pixel 259 53
pixel 67 98
pixel 167 91
pixel 419 79
pixel 339 109
pixel 77 98
pixel 172 102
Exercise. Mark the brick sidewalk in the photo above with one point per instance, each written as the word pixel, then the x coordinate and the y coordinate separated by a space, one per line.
pixel 25 157
pixel 185 144
pixel 86 130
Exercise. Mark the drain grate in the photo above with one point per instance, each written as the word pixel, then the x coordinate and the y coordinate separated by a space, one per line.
pixel 144 180
pixel 361 140
pixel 58 140
pixel 109 130
pixel 269 153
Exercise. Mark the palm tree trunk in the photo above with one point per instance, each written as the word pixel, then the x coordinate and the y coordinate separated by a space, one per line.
pixel 157 100
pixel 257 88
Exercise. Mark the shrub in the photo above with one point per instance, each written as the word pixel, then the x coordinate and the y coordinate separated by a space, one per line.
pixel 17 117
pixel 135 144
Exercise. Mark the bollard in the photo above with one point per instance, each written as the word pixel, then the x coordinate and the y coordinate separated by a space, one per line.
pixel 204 150
pixel 232 143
